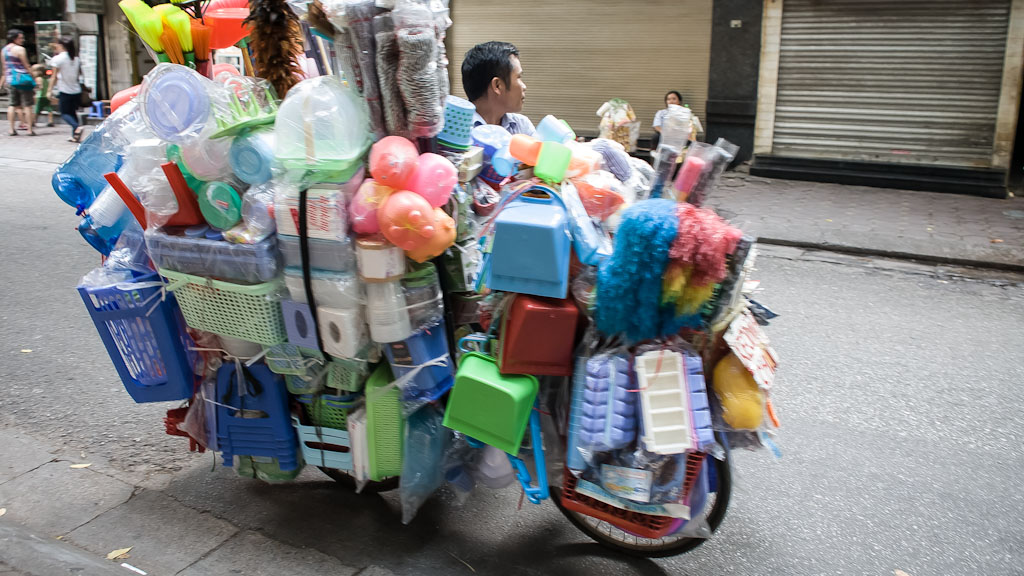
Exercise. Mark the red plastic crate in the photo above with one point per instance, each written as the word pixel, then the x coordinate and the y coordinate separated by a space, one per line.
pixel 643 525
pixel 176 417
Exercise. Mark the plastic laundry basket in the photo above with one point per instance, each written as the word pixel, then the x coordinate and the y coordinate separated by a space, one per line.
pixel 250 313
pixel 385 426
pixel 145 338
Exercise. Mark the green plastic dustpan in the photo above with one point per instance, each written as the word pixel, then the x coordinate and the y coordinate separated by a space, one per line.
pixel 490 406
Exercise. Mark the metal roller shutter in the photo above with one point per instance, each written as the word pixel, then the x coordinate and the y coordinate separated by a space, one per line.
pixel 913 81
pixel 579 53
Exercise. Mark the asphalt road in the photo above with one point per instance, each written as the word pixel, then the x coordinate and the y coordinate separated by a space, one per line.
pixel 899 392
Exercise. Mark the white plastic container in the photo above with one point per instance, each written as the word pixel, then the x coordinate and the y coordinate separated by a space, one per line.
pixel 356 422
pixel 343 331
pixel 665 402
pixel 387 313
pixel 379 260
pixel 240 348
pixel 330 289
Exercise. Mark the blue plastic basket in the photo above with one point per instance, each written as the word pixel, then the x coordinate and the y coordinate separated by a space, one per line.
pixel 145 338
pixel 325 447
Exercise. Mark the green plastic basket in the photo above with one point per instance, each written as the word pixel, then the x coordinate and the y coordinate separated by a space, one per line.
pixel 326 415
pixel 385 426
pixel 347 375
pixel 303 385
pixel 289 359
pixel 251 313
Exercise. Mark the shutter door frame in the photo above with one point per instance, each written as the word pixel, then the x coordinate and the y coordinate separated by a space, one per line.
pixel 797 119
pixel 612 50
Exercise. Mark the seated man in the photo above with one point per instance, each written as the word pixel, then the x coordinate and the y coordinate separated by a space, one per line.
pixel 492 77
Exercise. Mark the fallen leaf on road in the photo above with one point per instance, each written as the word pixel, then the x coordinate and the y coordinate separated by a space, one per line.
pixel 996 241
pixel 119 553
pixel 828 219
pixel 26 350
pixel 77 466
pixel 3 511
pixel 899 573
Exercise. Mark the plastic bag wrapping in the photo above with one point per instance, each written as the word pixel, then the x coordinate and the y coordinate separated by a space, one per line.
pixel 129 252
pixel 614 158
pixel 417 75
pixel 201 419
pixel 422 289
pixel 322 130
pixel 359 16
pixel 457 456
pixel 701 170
pixel 179 104
pixel 244 103
pixel 326 208
pixel 676 126
pixel 387 67
pixel 325 255
pixel 345 59
pixel 177 250
pixel 591 243
pixel 602 193
pixel 257 216
pixel 426 440
pixel 619 123
pixel 338 290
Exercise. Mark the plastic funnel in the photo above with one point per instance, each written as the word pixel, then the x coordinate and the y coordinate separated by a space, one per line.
pixel 227 26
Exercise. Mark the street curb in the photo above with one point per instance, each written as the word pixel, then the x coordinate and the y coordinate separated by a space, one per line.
pixel 893 254
pixel 24 551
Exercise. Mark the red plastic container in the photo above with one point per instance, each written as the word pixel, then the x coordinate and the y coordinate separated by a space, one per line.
pixel 643 525
pixel 537 336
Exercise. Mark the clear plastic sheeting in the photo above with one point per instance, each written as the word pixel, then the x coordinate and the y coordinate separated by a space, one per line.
pixel 180 251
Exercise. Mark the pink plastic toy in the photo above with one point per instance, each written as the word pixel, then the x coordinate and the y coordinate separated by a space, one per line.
pixel 406 219
pixel 362 212
pixel 393 159
pixel 433 179
pixel 439 242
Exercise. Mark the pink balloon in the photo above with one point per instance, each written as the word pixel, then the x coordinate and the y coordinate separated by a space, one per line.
pixel 362 212
pixel 406 219
pixel 433 179
pixel 392 160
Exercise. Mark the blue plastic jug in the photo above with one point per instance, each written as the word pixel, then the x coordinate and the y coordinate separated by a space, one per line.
pixel 530 253
pixel 104 221
pixel 79 180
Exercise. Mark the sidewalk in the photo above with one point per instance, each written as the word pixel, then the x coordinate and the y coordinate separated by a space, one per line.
pixel 926 226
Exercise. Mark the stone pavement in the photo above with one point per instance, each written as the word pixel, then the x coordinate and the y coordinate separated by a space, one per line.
pixel 926 226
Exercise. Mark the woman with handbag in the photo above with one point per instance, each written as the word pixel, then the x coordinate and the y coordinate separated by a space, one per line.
pixel 67 83
pixel 21 84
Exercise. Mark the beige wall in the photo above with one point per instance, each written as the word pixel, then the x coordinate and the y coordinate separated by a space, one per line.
pixel 577 54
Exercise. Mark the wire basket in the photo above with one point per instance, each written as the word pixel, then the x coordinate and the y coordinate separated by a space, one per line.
pixel 251 313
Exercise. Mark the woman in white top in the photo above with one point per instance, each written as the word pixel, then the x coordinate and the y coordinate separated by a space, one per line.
pixel 67 84
pixel 673 97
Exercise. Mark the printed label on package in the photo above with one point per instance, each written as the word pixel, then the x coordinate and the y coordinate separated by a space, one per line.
pixel 628 483
pixel 750 344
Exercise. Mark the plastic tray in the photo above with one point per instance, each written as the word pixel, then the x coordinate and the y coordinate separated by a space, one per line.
pixel 251 263
pixel 250 313
pixel 337 256
pixel 665 402
pixel 145 339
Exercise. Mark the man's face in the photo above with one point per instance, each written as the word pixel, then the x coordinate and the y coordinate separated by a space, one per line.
pixel 515 93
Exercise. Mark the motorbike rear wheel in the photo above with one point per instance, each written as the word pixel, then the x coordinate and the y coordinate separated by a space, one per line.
pixel 619 540
pixel 349 481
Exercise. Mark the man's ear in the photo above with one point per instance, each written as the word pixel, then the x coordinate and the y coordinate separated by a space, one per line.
pixel 496 86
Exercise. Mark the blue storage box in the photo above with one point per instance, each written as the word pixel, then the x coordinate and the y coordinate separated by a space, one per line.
pixel 257 422
pixel 218 259
pixel 424 345
pixel 530 252
pixel 145 338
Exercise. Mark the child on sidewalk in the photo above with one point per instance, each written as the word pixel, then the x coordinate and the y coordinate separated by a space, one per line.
pixel 42 76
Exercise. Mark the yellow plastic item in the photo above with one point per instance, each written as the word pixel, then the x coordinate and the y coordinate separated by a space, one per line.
pixel 741 399
pixel 146 21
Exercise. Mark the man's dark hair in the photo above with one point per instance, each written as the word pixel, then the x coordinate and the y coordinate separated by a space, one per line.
pixel 484 62
pixel 13 34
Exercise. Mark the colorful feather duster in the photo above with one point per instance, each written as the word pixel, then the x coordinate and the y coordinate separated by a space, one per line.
pixel 275 41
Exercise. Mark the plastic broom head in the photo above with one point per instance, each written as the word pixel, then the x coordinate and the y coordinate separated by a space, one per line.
pixel 201 40
pixel 180 22
pixel 169 40
pixel 146 22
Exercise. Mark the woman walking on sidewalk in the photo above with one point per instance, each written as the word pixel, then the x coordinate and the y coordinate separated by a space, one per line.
pixel 68 85
pixel 20 82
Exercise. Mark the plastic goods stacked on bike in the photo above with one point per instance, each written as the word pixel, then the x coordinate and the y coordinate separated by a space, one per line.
pixel 312 292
